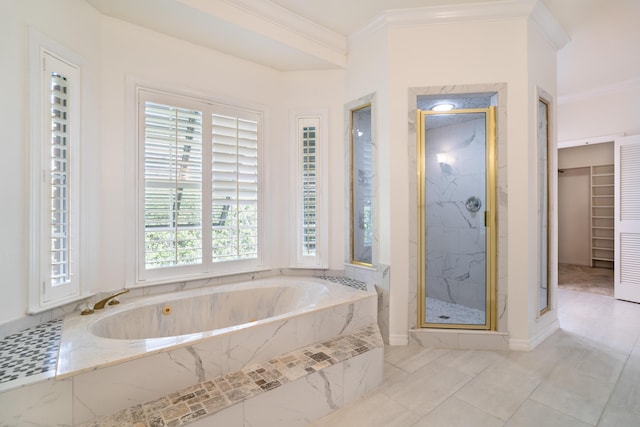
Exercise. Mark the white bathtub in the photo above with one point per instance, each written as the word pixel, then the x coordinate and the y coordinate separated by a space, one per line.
pixel 135 351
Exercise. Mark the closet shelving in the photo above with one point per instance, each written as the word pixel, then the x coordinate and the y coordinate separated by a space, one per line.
pixel 602 211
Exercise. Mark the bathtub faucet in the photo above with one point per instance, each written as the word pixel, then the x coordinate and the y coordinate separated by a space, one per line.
pixel 100 304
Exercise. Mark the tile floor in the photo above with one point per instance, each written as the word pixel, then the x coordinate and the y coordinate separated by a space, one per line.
pixel 586 374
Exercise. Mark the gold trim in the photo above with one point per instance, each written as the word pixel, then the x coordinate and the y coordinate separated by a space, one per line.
pixel 547 308
pixel 352 259
pixel 491 220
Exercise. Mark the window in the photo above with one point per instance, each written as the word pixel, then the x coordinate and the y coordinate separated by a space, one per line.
pixel 361 186
pixel 310 208
pixel 199 170
pixel 55 168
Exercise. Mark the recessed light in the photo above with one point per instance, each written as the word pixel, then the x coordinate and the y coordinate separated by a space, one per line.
pixel 442 107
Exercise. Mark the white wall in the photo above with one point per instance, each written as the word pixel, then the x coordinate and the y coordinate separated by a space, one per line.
pixel 586 155
pixel 574 204
pixel 599 74
pixel 75 25
pixel 542 82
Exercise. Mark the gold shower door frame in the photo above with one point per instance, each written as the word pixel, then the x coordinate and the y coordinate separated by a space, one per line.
pixel 490 220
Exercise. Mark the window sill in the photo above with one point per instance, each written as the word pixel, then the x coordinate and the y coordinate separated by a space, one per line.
pixel 58 303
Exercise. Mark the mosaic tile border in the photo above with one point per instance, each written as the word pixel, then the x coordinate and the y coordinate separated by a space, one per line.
pixel 346 281
pixel 30 352
pixel 211 396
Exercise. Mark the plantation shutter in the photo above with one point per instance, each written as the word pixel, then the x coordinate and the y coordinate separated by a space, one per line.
pixel 173 185
pixel 234 187
pixel 58 172
pixel 309 185
pixel 59 182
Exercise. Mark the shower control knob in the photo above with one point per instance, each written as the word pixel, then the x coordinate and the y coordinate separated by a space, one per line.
pixel 473 204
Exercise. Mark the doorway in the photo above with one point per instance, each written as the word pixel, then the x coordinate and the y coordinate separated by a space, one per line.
pixel 583 200
pixel 457 217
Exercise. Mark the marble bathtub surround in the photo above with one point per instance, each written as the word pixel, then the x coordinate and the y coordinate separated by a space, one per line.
pixel 346 281
pixel 106 338
pixel 209 397
pixel 113 374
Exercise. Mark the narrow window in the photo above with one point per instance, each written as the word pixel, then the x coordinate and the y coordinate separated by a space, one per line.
pixel 310 208
pixel 361 186
pixel 55 162
pixel 309 187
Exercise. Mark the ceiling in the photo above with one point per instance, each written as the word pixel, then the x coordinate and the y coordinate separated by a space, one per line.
pixel 291 35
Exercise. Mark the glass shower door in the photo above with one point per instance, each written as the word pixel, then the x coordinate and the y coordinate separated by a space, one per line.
pixel 456 215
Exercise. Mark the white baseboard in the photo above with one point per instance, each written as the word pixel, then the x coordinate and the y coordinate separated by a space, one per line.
pixel 398 339
pixel 533 342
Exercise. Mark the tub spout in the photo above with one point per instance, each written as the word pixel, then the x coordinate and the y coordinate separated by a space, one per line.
pixel 100 304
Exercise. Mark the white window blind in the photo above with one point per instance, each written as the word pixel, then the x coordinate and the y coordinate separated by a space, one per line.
pixel 309 187
pixel 234 188
pixel 308 132
pixel 59 181
pixel 200 193
pixel 55 209
pixel 173 186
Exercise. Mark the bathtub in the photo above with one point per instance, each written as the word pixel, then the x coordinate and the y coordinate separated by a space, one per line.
pixel 150 346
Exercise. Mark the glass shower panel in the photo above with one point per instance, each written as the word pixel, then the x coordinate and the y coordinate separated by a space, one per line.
pixel 455 200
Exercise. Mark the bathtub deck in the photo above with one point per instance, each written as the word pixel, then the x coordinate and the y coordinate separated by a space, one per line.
pixel 30 355
pixel 213 396
pixel 31 390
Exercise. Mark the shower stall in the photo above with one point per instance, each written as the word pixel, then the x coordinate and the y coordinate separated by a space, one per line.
pixel 457 213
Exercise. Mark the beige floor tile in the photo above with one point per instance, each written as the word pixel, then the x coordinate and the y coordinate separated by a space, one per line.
pixel 426 388
pixel 457 413
pixel 375 410
pixel 618 416
pixel 470 362
pixel 572 392
pixel 534 414
pixel 412 358
pixel 393 374
pixel 500 389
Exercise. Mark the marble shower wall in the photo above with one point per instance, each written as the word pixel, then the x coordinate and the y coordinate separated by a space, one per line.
pixel 455 236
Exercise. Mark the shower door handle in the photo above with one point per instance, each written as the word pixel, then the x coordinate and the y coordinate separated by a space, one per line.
pixel 485 218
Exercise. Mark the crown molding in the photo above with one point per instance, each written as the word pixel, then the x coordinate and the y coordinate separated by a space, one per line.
pixel 470 12
pixel 549 25
pixel 623 86
pixel 290 21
